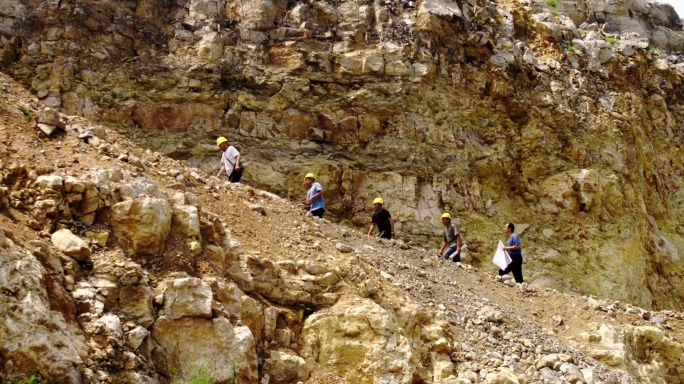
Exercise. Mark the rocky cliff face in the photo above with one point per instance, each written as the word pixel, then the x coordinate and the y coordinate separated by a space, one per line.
pixel 119 265
pixel 563 117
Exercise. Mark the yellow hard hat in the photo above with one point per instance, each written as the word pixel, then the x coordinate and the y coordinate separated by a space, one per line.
pixel 309 176
pixel 446 216
pixel 221 140
pixel 378 200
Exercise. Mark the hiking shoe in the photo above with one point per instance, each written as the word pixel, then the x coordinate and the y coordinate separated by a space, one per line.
pixel 458 264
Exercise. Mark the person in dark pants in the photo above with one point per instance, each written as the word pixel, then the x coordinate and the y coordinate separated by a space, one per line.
pixel 314 196
pixel 515 251
pixel 452 241
pixel 382 219
pixel 230 161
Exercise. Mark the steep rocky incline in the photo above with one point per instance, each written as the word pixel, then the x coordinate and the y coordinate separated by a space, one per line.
pixel 563 117
pixel 119 265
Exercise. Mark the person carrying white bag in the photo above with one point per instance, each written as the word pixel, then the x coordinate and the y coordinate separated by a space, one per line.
pixel 501 258
pixel 512 249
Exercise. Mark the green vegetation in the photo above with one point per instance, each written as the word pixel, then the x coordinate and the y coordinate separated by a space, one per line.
pixel 202 376
pixel 234 380
pixel 655 50
pixel 553 4
pixel 31 380
pixel 571 48
pixel 611 39
pixel 26 111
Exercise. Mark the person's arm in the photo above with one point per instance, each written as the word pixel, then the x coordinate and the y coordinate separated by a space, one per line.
pixel 372 228
pixel 308 201
pixel 441 250
pixel 512 247
pixel 223 169
pixel 237 162
pixel 391 220
pixel 458 244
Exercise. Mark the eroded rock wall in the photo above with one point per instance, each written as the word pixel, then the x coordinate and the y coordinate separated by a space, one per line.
pixel 121 265
pixel 564 118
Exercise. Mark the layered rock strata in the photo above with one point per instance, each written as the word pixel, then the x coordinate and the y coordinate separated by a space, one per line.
pixel 564 117
pixel 197 303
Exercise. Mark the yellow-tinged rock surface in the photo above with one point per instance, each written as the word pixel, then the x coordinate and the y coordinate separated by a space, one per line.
pixel 562 117
pixel 268 294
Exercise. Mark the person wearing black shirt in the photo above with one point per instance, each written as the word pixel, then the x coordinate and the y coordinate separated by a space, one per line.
pixel 382 219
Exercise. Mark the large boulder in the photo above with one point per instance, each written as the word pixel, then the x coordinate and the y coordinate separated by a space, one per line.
pixel 139 187
pixel 186 220
pixel 70 244
pixel 53 182
pixel 188 344
pixel 124 288
pixel 189 297
pixel 645 351
pixel 35 335
pixel 252 315
pixel 141 225
pixel 285 369
pixel 359 333
pixel 606 345
pixel 227 298
pixel 136 303
pixel 659 357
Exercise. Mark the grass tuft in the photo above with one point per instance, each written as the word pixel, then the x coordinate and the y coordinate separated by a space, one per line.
pixel 202 376
pixel 655 50
pixel 31 380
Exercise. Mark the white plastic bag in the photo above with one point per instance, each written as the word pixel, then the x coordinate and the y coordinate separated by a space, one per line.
pixel 501 257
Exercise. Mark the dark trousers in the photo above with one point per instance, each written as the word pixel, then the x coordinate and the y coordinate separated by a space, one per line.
pixel 385 234
pixel 318 212
pixel 235 176
pixel 516 267
pixel 453 251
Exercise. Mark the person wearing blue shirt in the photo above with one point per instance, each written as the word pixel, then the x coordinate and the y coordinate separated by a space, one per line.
pixel 314 197
pixel 515 252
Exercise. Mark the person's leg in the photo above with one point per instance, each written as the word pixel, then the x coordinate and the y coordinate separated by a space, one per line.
pixel 516 268
pixel 450 251
pixel 232 177
pixel 507 270
pixel 318 212
pixel 385 235
pixel 236 176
